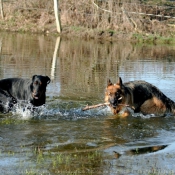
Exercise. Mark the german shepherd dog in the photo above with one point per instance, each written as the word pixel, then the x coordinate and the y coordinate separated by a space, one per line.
pixel 141 96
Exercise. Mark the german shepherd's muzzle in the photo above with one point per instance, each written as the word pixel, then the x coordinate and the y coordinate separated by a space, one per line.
pixel 140 96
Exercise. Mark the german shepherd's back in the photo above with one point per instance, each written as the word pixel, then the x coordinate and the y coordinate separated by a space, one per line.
pixel 140 95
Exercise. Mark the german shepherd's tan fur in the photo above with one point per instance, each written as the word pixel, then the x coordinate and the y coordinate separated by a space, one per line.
pixel 139 95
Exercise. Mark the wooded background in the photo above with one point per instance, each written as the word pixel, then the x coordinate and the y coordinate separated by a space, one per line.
pixel 157 17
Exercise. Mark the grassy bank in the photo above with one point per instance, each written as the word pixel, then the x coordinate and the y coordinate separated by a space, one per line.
pixel 143 21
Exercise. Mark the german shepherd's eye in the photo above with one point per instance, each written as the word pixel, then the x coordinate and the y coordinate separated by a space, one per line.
pixel 117 93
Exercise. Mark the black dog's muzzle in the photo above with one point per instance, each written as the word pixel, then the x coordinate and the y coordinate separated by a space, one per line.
pixel 36 95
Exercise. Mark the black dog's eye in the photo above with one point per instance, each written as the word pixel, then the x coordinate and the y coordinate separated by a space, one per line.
pixel 36 82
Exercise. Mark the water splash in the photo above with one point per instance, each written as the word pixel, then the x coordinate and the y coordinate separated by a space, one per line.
pixel 60 110
pixel 69 110
pixel 148 116
pixel 72 113
pixel 141 115
pixel 25 110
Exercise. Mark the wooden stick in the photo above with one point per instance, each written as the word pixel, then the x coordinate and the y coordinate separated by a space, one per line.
pixel 94 106
pixel 103 104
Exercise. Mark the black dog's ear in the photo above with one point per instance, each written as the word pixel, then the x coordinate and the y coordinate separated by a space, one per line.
pixel 119 82
pixel 47 79
pixel 109 83
pixel 33 77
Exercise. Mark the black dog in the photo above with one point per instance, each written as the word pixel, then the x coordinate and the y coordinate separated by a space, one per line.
pixel 14 89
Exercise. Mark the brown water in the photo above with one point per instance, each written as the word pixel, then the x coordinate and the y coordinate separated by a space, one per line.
pixel 61 138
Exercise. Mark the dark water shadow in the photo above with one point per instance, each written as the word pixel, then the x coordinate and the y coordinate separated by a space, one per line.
pixel 145 150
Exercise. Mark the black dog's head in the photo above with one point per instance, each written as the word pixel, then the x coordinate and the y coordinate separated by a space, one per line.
pixel 38 86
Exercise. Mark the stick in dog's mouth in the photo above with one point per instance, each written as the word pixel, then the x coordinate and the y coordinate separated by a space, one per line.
pixel 95 106
pixel 104 104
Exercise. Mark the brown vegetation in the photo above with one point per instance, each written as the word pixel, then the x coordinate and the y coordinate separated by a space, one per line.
pixel 91 18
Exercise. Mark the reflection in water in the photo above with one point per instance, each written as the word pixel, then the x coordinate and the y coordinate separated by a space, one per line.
pixel 24 55
pixel 145 150
pixel 85 69
pixel 140 150
pixel 62 138
pixel 57 46
pixel 82 67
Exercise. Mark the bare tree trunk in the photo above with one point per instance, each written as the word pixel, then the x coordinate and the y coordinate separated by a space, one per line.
pixel 1 9
pixel 56 10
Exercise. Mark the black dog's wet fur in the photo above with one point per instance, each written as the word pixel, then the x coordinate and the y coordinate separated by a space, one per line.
pixel 14 89
pixel 140 95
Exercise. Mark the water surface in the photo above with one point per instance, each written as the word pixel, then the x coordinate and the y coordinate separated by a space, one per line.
pixel 62 139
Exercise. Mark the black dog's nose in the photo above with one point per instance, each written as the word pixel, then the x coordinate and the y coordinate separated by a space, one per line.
pixel 35 95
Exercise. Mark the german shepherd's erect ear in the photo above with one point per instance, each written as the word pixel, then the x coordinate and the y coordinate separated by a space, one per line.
pixel 109 83
pixel 119 82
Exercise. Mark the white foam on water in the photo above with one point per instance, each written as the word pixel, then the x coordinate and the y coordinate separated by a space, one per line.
pixel 22 113
pixel 25 110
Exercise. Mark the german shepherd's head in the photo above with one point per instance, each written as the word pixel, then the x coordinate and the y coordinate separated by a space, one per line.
pixel 115 95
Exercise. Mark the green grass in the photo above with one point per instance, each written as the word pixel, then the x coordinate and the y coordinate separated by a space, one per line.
pixel 67 163
pixel 153 39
